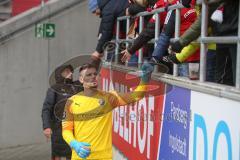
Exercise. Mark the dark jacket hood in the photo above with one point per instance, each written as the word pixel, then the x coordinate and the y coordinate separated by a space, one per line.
pixel 59 78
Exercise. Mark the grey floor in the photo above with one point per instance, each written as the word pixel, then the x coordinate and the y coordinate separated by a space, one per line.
pixel 28 152
pixel 38 152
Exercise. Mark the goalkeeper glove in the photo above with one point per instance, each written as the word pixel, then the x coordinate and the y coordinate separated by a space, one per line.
pixel 81 148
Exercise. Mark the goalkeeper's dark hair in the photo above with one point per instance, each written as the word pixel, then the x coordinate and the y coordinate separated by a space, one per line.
pixel 87 66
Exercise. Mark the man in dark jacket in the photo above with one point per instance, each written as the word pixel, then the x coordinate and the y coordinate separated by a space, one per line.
pixel 226 54
pixel 54 104
pixel 109 11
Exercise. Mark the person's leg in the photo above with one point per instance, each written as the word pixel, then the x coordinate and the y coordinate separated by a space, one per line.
pixel 211 65
pixel 223 66
pixel 164 39
pixel 183 70
pixel 161 47
pixel 233 54
pixel 133 62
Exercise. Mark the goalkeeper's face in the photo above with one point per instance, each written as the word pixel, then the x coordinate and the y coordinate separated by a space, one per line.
pixel 89 78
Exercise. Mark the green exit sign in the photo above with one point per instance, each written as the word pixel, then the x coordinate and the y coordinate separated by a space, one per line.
pixel 45 30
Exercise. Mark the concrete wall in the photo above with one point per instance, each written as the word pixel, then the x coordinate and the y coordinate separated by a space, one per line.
pixel 25 64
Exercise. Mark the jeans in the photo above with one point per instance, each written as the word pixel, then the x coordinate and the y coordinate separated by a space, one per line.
pixel 133 62
pixel 162 46
pixel 183 70
pixel 211 65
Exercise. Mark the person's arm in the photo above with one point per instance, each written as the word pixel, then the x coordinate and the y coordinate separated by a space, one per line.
pixel 193 32
pixel 102 3
pixel 67 123
pixel 146 35
pixel 184 55
pixel 81 148
pixel 134 9
pixel 187 51
pixel 47 109
pixel 96 62
pixel 106 32
pixel 117 99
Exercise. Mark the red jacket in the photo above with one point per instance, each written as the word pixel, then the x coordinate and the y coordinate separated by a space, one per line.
pixel 162 15
pixel 188 17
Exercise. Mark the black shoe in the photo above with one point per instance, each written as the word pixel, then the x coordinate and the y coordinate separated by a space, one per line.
pixel 161 67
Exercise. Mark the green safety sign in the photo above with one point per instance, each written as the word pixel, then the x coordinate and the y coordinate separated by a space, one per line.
pixel 45 30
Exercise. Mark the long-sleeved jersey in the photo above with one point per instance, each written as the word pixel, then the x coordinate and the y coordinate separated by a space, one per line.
pixel 89 119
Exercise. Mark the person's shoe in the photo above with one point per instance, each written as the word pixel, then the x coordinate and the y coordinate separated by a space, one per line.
pixel 154 61
pixel 161 66
pixel 171 58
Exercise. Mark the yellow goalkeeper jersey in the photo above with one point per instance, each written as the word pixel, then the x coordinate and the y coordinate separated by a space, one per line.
pixel 89 119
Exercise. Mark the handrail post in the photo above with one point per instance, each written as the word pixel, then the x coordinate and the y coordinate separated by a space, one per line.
pixel 157 32
pixel 42 3
pixel 127 38
pixel 140 55
pixel 238 55
pixel 203 53
pixel 177 34
pixel 117 42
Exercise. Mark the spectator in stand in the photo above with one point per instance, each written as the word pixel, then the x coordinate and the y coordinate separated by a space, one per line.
pixel 188 16
pixel 225 53
pixel 147 34
pixel 189 50
pixel 109 11
pixel 192 48
pixel 134 8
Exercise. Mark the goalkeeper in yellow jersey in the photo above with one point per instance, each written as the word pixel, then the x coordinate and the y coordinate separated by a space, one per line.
pixel 87 124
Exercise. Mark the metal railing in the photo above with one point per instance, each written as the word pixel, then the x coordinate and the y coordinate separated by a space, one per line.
pixel 204 40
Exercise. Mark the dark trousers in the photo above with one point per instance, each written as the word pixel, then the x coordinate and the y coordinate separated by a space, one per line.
pixel 211 65
pixel 226 64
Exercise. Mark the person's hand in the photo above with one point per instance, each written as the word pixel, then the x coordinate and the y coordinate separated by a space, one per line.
pixel 175 47
pixel 147 69
pixel 97 54
pixel 81 148
pixel 47 133
pixel 97 12
pixel 126 56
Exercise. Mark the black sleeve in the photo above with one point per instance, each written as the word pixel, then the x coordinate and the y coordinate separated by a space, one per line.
pixel 134 9
pixel 47 109
pixel 146 35
pixel 102 3
pixel 106 31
